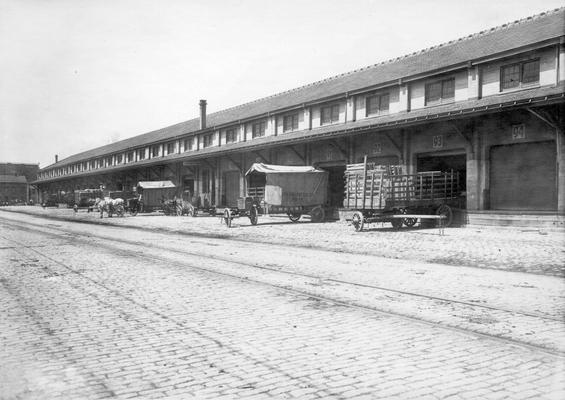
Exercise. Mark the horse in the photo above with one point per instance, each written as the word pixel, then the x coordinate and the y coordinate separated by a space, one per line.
pixel 110 206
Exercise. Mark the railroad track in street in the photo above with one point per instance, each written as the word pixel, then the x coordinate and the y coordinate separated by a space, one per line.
pixel 318 287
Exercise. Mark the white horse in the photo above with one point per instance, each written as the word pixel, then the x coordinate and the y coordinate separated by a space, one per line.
pixel 110 205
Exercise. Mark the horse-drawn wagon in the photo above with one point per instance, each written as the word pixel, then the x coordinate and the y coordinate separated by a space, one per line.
pixel 160 196
pixel 86 199
pixel 281 189
pixel 377 193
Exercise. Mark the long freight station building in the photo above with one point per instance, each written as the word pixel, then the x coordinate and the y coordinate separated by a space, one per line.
pixel 489 105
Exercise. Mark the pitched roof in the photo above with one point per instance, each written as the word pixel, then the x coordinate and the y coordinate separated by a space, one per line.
pixel 515 35
pixel 504 101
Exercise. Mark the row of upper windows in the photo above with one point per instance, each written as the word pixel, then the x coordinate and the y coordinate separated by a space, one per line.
pixel 513 76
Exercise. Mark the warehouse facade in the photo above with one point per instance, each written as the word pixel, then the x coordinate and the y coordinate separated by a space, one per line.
pixel 489 106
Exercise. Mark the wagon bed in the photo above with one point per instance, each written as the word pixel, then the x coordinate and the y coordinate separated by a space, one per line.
pixel 378 193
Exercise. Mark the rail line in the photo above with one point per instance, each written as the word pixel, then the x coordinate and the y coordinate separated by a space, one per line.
pixel 111 246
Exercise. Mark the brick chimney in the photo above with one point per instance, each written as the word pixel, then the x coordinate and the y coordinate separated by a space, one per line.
pixel 202 114
pixel 56 158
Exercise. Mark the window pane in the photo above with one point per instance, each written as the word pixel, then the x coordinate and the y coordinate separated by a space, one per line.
pixel 335 113
pixel 325 115
pixel 511 76
pixel 372 103
pixel 384 102
pixel 258 129
pixel 448 89
pixel 530 72
pixel 433 92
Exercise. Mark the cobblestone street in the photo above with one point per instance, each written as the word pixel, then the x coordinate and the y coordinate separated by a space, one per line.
pixel 165 307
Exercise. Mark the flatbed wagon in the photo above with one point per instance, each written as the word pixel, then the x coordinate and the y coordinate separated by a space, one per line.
pixel 377 193
pixel 280 189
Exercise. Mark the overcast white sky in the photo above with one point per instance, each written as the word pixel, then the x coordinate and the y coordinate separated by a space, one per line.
pixel 78 74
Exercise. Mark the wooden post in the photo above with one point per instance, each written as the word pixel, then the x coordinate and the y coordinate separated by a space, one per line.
pixel 381 190
pixel 356 188
pixel 372 187
pixel 364 179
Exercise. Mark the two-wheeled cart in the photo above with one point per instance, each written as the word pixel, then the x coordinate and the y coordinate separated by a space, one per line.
pixel 280 189
pixel 377 193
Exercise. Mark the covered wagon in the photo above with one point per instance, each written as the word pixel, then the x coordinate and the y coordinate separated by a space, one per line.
pixel 282 189
pixel 154 194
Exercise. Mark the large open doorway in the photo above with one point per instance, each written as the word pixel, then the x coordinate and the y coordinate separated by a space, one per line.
pixel 445 163
pixel 231 187
pixel 336 182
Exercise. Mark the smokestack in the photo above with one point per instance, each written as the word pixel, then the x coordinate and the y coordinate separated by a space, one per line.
pixel 202 114
pixel 56 158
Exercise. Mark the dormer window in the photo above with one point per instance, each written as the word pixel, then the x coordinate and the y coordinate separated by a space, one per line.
pixel 207 140
pixel 439 92
pixel 170 148
pixel 519 75
pixel 188 144
pixel 290 122
pixel 378 104
pixel 330 114
pixel 231 136
pixel 155 151
pixel 258 129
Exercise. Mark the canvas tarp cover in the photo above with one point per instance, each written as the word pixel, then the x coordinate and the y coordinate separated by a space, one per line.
pixel 155 192
pixel 155 184
pixel 293 186
pixel 281 169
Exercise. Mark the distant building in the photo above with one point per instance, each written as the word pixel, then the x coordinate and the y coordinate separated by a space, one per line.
pixel 15 183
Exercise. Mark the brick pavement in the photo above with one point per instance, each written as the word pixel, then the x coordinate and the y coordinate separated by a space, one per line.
pixel 523 250
pixel 521 307
pixel 128 327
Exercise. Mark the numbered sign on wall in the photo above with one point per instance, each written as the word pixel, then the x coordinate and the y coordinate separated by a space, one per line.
pixel 437 141
pixel 518 131
pixel 377 148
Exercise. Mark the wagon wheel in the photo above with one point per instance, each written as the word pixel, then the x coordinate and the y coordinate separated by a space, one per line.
pixel 408 221
pixel 178 210
pixel 253 217
pixel 317 214
pixel 120 211
pixel 396 222
pixel 227 217
pixel 191 212
pixel 446 211
pixel 294 217
pixel 358 221
pixel 133 211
